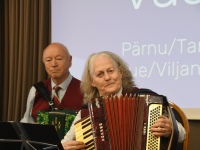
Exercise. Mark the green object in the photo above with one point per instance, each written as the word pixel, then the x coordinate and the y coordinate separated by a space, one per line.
pixel 61 119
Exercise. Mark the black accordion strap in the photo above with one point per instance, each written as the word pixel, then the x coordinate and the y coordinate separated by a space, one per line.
pixel 42 90
pixel 145 91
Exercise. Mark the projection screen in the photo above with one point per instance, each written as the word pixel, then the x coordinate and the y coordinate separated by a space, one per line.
pixel 158 39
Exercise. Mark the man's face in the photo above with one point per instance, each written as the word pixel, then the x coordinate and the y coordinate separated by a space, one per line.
pixel 106 77
pixel 57 62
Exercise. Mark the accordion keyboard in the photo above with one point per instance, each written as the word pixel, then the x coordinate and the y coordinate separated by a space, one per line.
pixel 83 132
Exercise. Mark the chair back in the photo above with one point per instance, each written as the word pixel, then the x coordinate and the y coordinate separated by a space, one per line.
pixel 181 117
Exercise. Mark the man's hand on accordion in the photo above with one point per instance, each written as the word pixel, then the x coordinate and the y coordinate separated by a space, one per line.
pixel 73 145
pixel 162 127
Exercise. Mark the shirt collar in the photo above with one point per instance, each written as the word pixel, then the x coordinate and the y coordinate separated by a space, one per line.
pixel 119 93
pixel 64 85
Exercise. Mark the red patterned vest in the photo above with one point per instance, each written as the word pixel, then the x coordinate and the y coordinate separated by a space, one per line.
pixel 73 98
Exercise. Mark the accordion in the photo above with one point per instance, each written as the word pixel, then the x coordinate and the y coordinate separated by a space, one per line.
pixel 60 119
pixel 123 123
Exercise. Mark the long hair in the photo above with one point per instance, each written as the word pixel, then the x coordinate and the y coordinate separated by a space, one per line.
pixel 92 92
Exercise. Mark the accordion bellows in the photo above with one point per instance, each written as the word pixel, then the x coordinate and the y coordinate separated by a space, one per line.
pixel 123 123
